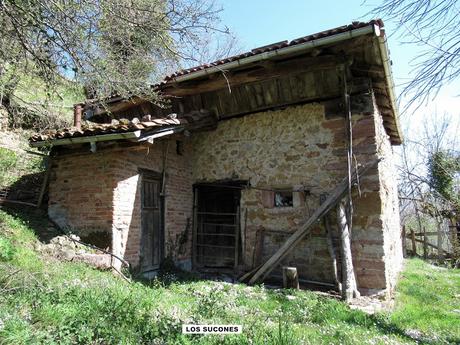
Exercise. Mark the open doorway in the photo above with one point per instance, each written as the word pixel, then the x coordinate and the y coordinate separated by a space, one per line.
pixel 217 226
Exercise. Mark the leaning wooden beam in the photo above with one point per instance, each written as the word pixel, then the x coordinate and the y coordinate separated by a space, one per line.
pixel 428 244
pixel 304 230
pixel 44 186
pixel 7 201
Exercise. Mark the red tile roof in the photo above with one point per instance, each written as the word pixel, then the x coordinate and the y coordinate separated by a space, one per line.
pixel 122 126
pixel 275 46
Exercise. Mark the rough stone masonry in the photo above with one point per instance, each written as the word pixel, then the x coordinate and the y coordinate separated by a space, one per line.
pixel 297 148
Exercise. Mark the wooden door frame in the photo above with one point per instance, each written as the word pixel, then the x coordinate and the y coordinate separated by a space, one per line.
pixel 217 184
pixel 154 175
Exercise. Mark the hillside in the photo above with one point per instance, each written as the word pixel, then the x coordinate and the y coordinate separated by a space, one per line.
pixel 44 300
pixel 29 108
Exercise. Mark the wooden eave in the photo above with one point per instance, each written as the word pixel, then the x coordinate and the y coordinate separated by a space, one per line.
pixel 302 77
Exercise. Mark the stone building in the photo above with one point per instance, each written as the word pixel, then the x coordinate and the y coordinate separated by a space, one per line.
pixel 246 151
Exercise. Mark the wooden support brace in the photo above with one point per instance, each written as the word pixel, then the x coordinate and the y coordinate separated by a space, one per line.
pixel 332 253
pixel 334 197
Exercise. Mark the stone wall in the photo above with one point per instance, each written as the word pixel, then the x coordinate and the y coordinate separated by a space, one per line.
pixel 390 206
pixel 297 148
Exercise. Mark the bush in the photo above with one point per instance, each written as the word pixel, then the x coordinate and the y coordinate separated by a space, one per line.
pixel 6 249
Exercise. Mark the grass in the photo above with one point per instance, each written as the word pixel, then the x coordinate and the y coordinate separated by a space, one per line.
pixel 428 300
pixel 45 301
pixel 15 165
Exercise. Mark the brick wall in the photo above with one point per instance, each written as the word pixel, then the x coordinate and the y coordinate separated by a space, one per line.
pixel 98 197
pixel 80 195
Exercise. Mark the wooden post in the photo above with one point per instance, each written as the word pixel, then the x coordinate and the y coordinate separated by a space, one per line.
pixel 331 249
pixel 440 253
pixel 195 229
pixel 45 182
pixel 290 278
pixel 349 286
pixel 403 240
pixel 237 236
pixel 425 244
pixel 414 245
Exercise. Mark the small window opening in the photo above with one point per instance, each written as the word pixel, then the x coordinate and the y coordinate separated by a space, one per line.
pixel 284 199
pixel 179 147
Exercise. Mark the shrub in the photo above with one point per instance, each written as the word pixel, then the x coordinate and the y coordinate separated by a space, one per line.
pixel 6 249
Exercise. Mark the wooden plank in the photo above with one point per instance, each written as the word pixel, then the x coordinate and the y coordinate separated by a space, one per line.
pixel 237 237
pixel 431 233
pixel 428 244
pixel 195 228
pixel 304 230
pixel 259 73
pixel 8 201
pixel 44 186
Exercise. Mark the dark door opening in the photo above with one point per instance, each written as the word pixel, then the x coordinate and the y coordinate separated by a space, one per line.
pixel 151 221
pixel 217 226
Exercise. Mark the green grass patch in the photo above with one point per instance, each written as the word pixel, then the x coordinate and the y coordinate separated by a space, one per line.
pixel 15 165
pixel 428 300
pixel 45 301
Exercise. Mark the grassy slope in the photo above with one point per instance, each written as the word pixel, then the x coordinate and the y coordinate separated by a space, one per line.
pixel 46 301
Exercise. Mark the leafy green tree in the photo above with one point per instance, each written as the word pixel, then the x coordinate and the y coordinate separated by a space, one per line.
pixel 444 167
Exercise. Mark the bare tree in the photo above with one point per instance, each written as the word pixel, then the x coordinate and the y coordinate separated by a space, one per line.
pixel 433 26
pixel 429 174
pixel 109 46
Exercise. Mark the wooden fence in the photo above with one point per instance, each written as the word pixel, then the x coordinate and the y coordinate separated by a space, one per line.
pixel 418 243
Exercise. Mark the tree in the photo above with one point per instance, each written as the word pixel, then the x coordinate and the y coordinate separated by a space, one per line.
pixel 109 46
pixel 433 26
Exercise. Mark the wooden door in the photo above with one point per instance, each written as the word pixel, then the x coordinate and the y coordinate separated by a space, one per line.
pixel 151 224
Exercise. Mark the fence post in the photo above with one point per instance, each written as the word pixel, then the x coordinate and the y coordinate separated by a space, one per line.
pixel 440 253
pixel 414 245
pixel 425 244
pixel 404 249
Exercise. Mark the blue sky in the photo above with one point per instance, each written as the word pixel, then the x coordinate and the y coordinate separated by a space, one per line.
pixel 257 23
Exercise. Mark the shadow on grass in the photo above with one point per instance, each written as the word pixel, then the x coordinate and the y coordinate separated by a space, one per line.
pixel 36 219
pixel 386 326
pixel 167 275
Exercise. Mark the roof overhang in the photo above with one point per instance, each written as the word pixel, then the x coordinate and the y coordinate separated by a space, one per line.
pixel 286 51
pixel 374 28
pixel 136 136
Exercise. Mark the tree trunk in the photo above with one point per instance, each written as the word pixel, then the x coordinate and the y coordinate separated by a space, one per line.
pixel 349 286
